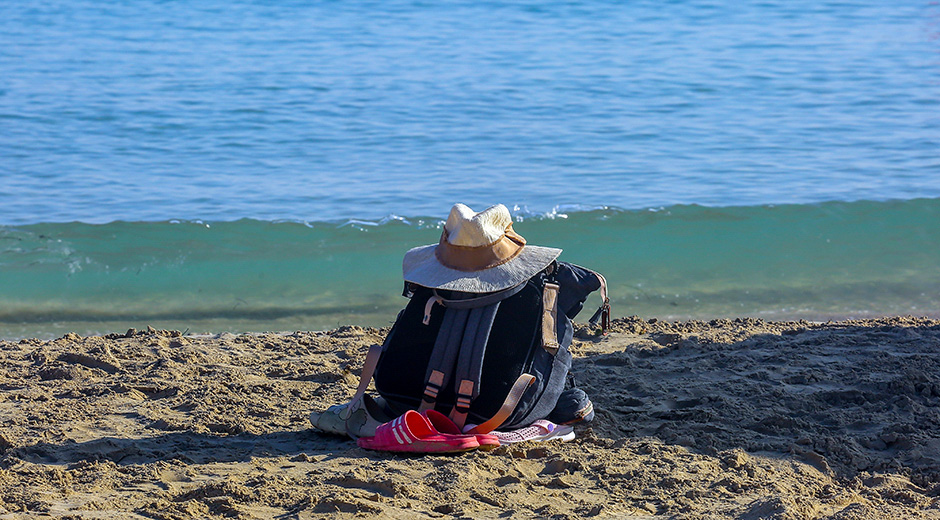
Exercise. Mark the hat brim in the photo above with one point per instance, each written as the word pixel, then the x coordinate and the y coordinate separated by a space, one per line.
pixel 421 266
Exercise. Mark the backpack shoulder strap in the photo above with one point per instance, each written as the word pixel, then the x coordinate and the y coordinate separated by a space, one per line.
pixel 444 354
pixel 469 368
pixel 460 346
pixel 509 405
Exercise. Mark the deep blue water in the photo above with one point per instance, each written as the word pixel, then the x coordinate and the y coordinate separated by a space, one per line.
pixel 262 166
pixel 154 110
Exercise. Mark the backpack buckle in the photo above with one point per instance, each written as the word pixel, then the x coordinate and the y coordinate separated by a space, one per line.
pixel 427 308
pixel 603 315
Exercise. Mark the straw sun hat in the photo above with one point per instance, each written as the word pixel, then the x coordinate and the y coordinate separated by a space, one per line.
pixel 477 253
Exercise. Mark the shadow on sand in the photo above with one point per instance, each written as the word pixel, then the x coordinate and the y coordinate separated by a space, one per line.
pixel 844 398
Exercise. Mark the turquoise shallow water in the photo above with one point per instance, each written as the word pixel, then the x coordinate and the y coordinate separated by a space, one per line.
pixel 777 262
pixel 244 165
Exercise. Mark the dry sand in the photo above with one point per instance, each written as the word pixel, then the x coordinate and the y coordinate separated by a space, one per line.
pixel 728 419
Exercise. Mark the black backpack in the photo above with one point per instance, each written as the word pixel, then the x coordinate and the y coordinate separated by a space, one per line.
pixel 498 360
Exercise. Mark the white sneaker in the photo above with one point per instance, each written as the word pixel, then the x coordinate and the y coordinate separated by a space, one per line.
pixel 539 431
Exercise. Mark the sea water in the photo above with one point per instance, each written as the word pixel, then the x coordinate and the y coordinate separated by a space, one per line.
pixel 247 166
pixel 831 260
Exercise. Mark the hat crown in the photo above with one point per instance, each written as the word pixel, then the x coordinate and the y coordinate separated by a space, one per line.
pixel 477 253
pixel 470 229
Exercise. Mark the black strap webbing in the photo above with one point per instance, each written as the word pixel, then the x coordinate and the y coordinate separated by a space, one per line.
pixel 461 344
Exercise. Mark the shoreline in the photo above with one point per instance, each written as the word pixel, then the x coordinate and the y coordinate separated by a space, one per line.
pixel 216 327
pixel 727 418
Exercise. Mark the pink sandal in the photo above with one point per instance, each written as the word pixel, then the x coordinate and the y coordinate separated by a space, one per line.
pixel 445 425
pixel 413 433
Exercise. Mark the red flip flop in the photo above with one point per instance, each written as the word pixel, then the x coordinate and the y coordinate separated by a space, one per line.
pixel 413 433
pixel 445 425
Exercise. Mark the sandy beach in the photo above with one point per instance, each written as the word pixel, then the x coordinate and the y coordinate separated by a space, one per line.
pixel 737 418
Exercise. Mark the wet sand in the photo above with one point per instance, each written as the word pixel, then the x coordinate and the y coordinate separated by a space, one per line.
pixel 705 420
